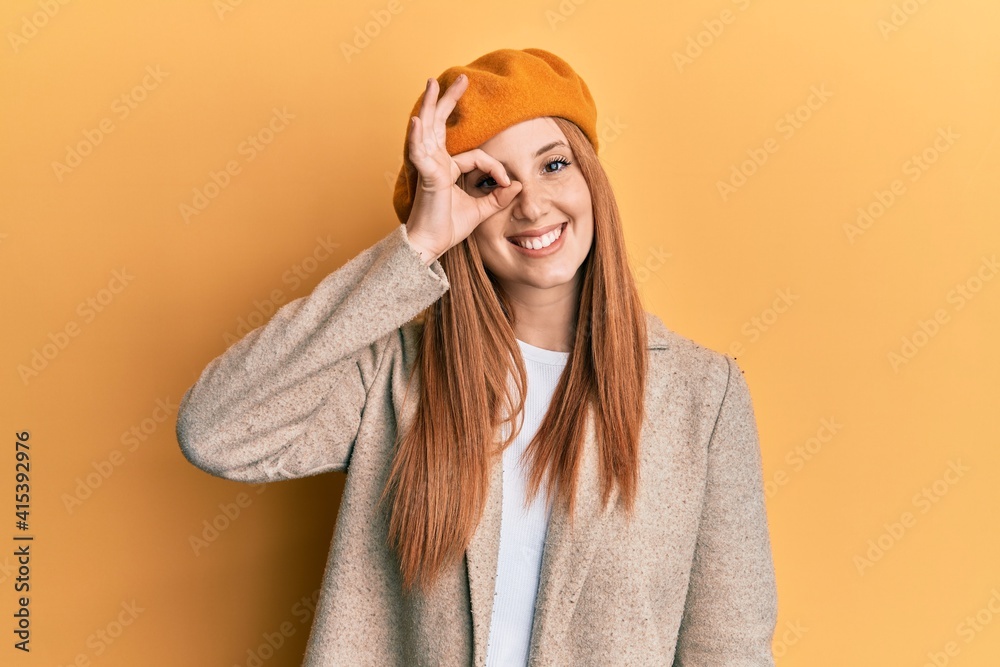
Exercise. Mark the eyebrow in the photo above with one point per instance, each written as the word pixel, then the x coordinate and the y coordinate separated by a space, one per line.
pixel 546 147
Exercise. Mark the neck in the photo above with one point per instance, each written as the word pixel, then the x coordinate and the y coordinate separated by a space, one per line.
pixel 546 318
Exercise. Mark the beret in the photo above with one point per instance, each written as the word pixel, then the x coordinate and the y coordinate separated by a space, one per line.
pixel 506 87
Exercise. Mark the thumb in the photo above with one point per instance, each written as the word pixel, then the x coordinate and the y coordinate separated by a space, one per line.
pixel 498 199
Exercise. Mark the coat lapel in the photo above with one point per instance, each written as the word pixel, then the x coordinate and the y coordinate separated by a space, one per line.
pixel 566 555
pixel 481 564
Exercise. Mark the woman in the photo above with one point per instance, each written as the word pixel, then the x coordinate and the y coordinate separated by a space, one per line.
pixel 538 471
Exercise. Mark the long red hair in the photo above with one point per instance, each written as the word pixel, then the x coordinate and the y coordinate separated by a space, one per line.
pixel 439 479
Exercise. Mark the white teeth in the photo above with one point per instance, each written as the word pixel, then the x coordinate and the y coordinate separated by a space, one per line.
pixel 543 241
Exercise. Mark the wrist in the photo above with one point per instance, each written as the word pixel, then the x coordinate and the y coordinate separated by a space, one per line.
pixel 427 255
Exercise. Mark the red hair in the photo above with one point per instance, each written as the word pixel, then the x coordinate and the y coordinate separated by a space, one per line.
pixel 439 479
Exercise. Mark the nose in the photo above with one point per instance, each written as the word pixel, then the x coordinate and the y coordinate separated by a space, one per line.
pixel 531 202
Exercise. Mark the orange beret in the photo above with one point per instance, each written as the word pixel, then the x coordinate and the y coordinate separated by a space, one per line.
pixel 506 87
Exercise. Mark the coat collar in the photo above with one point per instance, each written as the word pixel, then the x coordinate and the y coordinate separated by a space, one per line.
pixel 567 551
pixel 657 334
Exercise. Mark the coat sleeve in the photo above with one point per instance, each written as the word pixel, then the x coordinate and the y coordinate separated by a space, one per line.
pixel 731 607
pixel 286 400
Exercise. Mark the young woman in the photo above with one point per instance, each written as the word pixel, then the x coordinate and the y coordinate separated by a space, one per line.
pixel 539 472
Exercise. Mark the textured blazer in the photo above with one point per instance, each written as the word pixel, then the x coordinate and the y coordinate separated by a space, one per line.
pixel 319 387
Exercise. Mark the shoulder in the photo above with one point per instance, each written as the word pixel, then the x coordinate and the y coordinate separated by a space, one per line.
pixel 684 361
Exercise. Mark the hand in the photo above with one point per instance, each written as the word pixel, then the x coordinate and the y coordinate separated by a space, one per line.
pixel 444 214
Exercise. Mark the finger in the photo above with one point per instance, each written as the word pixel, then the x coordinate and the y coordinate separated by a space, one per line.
pixel 421 156
pixel 496 201
pixel 430 99
pixel 502 197
pixel 426 115
pixel 477 158
pixel 447 103
pixel 417 151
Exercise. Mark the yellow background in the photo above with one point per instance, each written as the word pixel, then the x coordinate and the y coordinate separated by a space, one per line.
pixel 773 272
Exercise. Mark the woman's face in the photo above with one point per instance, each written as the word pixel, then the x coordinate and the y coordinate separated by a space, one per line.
pixel 554 197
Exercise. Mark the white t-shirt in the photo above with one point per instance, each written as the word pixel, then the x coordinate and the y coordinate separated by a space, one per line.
pixel 522 530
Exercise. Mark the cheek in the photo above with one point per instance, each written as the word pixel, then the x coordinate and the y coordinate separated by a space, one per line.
pixel 584 229
pixel 578 192
pixel 486 234
pixel 488 242
pixel 584 216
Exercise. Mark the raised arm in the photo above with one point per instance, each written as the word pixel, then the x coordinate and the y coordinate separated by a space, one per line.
pixel 732 606
pixel 286 400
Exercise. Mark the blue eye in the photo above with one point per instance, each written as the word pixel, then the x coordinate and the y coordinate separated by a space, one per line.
pixel 559 160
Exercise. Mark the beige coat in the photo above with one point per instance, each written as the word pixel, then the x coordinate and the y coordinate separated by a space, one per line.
pixel 319 388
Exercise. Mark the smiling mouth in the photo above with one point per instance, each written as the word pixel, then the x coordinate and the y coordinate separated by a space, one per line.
pixel 539 242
